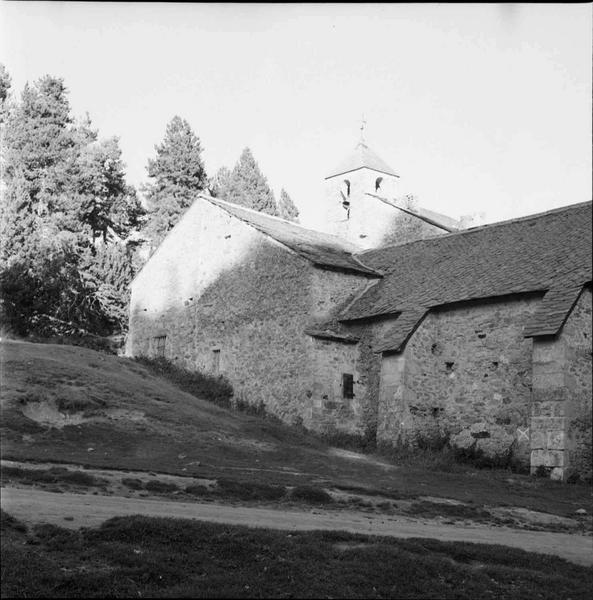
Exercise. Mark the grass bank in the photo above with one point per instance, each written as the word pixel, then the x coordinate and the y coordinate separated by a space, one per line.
pixel 148 557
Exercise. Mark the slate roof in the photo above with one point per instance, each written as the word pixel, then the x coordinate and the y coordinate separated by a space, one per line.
pixel 333 330
pixel 320 248
pixel 548 252
pixel 445 220
pixel 362 156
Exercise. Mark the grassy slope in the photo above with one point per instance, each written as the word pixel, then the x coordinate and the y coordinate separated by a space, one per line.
pixel 185 435
pixel 143 557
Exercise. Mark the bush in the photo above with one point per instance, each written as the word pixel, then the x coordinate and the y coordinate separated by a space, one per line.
pixel 542 471
pixel 242 490
pixel 197 490
pixel 161 487
pixel 53 475
pixel 9 522
pixel 133 483
pixel 350 441
pixel 216 389
pixel 311 495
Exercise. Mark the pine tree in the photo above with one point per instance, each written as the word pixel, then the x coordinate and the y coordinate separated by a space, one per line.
pixel 248 187
pixel 286 207
pixel 218 186
pixel 64 193
pixel 5 85
pixel 177 175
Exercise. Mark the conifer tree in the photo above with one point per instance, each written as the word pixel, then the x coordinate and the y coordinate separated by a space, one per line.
pixel 5 85
pixel 248 187
pixel 64 196
pixel 177 175
pixel 286 207
pixel 218 186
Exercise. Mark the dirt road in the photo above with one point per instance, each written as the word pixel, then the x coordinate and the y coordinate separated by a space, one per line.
pixel 35 506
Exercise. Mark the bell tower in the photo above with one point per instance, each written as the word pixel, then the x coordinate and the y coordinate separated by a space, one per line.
pixel 348 212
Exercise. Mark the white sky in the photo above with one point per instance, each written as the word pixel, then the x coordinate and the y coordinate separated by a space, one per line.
pixel 479 108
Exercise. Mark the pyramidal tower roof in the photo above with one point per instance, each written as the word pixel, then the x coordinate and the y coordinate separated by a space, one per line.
pixel 362 157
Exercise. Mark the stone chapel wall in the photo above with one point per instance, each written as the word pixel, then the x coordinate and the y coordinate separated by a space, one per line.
pixel 576 333
pixel 561 402
pixel 228 299
pixel 465 377
pixel 330 412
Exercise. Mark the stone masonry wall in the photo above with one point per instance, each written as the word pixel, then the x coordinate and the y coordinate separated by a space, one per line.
pixel 464 376
pixel 561 402
pixel 577 336
pixel 218 284
pixel 330 359
pixel 224 294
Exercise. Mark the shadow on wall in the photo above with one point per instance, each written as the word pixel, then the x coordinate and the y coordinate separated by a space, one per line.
pixel 247 324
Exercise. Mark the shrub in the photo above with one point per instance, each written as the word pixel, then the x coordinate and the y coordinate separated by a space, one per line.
pixel 248 490
pixel 53 475
pixel 349 441
pixel 310 494
pixel 133 483
pixel 81 478
pixel 542 471
pixel 216 389
pixel 161 487
pixel 246 407
pixel 197 490
pixel 9 522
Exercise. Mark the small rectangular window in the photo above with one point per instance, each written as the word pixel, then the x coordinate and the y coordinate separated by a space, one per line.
pixel 159 345
pixel 216 361
pixel 347 385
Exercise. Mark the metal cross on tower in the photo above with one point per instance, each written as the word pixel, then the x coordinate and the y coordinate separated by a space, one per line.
pixel 362 126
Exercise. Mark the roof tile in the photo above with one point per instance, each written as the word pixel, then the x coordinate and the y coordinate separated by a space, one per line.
pixel 542 252
pixel 320 248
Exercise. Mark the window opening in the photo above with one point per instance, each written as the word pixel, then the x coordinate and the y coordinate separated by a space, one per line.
pixel 216 361
pixel 347 385
pixel 159 345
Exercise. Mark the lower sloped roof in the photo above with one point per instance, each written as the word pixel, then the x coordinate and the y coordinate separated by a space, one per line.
pixel 547 251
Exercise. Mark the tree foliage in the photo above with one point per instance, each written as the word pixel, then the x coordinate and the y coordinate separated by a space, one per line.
pixel 286 207
pixel 247 186
pixel 177 174
pixel 65 207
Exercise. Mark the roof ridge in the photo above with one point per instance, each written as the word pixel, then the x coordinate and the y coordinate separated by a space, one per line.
pixel 482 227
pixel 347 246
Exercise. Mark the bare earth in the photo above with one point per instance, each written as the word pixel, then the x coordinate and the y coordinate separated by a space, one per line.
pixel 34 506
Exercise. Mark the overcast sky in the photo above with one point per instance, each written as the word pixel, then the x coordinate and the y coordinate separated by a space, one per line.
pixel 479 108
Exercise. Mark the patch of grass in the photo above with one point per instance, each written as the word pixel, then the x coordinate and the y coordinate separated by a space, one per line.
pixel 148 557
pixel 215 389
pixel 161 487
pixel 429 458
pixel 52 475
pixel 310 494
pixel 369 491
pixel 424 508
pixel 197 490
pixel 247 490
pixel 10 523
pixel 349 441
pixel 79 404
pixel 133 483
pixel 297 457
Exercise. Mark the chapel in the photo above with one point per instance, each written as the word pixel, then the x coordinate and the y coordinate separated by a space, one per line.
pixel 388 322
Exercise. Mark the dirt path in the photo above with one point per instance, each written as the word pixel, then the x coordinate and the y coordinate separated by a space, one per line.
pixel 34 506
